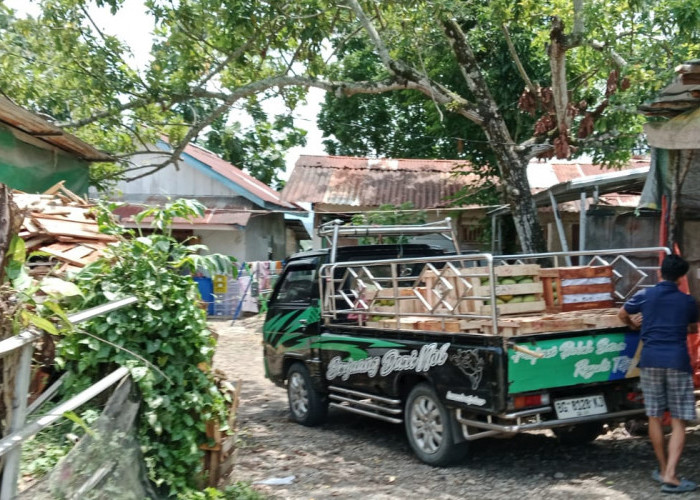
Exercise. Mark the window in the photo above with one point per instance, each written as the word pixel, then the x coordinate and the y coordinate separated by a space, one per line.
pixel 297 286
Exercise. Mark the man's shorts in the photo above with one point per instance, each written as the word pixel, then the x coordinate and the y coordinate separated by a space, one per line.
pixel 668 389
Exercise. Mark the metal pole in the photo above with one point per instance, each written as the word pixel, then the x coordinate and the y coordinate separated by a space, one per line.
pixel 582 223
pixel 14 440
pixel 560 228
pixel 19 414
pixel 25 342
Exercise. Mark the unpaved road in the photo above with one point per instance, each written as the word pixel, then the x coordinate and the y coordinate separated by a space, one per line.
pixel 357 457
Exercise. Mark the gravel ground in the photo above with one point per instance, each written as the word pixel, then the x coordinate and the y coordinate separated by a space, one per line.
pixel 355 457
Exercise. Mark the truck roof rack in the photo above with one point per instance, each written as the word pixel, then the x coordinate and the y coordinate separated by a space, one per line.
pixel 336 228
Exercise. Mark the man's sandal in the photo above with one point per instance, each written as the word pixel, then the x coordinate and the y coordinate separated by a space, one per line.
pixel 684 487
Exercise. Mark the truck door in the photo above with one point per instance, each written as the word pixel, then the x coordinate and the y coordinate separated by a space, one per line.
pixel 293 320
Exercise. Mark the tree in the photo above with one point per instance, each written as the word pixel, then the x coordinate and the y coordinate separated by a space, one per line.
pixel 232 53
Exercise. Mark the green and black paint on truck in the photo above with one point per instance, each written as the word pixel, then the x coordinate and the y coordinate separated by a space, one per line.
pixel 475 385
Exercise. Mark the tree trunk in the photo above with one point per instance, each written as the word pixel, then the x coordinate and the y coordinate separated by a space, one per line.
pixel 10 222
pixel 8 211
pixel 516 190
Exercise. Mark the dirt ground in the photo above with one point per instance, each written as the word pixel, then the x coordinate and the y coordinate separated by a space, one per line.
pixel 356 457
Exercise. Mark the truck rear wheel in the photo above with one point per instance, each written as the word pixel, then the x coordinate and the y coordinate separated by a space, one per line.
pixel 579 433
pixel 307 406
pixel 429 428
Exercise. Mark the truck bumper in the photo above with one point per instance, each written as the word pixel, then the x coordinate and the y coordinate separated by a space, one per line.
pixel 530 420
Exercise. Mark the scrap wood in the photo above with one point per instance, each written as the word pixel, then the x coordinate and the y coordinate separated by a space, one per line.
pixel 62 225
pixel 57 227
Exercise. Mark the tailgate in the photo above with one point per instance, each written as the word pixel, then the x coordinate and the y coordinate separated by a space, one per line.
pixel 573 360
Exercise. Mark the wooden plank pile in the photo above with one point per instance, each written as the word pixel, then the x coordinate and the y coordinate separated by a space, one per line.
pixel 220 455
pixel 556 322
pixel 60 224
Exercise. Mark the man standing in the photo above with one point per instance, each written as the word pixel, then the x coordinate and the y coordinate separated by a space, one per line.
pixel 668 316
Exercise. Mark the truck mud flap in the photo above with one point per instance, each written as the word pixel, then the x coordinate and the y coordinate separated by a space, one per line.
pixel 529 420
pixel 362 403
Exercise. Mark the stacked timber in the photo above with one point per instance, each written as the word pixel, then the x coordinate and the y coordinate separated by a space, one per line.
pixel 557 322
pixel 62 226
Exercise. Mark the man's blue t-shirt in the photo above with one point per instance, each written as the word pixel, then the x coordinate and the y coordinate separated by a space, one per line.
pixel 666 313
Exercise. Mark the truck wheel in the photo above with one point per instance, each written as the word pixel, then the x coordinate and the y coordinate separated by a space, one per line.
pixel 308 406
pixel 429 428
pixel 578 434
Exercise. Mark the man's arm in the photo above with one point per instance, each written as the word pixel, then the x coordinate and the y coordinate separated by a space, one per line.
pixel 634 321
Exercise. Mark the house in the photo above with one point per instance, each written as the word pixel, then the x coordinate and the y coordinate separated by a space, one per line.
pixel 35 154
pixel 584 206
pixel 673 132
pixel 244 218
pixel 340 186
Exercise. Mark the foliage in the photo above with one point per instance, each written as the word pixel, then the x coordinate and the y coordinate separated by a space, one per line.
pixel 237 491
pixel 41 453
pixel 448 65
pixel 38 300
pixel 389 215
pixel 166 327
pixel 258 149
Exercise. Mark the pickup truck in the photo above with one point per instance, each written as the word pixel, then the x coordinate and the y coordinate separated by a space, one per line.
pixel 456 347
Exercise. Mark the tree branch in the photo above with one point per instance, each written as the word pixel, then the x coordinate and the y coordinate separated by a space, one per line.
pixel 619 61
pixel 557 62
pixel 516 60
pixel 373 34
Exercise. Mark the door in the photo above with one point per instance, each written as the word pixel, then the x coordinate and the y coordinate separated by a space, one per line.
pixel 293 320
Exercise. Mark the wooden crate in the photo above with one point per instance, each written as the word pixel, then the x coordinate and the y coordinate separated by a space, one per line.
pixel 513 326
pixel 516 290
pixel 577 288
pixel 437 325
pixel 407 301
pixel 433 287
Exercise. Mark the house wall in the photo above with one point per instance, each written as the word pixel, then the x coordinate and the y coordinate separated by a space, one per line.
pixel 187 181
pixel 291 244
pixel 262 235
pixel 691 252
pixel 265 235
pixel 28 165
pixel 231 242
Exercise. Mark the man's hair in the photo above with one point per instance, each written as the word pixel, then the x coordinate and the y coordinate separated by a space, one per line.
pixel 673 267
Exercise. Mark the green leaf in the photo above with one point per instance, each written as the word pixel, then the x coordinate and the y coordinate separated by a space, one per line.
pixel 42 323
pixel 75 418
pixel 57 288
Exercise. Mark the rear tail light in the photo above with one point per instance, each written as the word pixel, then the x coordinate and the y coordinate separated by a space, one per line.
pixel 635 397
pixel 531 400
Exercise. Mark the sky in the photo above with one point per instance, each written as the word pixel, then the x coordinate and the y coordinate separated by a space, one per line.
pixel 133 26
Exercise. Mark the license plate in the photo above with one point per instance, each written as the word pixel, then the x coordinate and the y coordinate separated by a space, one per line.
pixel 580 407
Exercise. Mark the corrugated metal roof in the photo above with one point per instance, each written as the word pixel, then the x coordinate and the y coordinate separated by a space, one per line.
pixel 37 127
pixel 354 181
pixel 237 176
pixel 213 216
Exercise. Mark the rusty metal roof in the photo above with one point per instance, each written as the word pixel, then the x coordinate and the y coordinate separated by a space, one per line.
pixel 37 127
pixel 237 176
pixel 212 216
pixel 354 181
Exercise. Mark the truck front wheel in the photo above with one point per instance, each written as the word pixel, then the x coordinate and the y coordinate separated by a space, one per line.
pixel 429 428
pixel 307 406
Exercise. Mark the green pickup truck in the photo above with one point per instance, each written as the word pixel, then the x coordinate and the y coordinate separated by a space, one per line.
pixel 456 347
